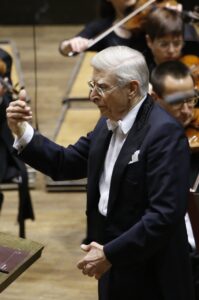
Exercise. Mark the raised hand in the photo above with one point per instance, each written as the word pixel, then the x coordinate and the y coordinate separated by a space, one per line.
pixel 18 112
pixel 76 44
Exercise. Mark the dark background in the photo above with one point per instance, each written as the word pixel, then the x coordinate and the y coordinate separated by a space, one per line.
pixel 48 11
pixel 21 12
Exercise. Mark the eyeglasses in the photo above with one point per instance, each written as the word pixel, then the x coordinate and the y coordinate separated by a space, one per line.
pixel 191 103
pixel 163 44
pixel 101 89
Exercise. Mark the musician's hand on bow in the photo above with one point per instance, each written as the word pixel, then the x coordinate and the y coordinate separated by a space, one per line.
pixel 76 44
pixel 18 113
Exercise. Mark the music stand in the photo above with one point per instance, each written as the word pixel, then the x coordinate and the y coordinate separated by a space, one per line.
pixel 16 255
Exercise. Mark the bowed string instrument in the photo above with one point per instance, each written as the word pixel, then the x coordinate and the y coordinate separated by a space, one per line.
pixel 5 83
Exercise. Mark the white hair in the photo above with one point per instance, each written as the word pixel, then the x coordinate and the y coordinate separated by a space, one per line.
pixel 125 63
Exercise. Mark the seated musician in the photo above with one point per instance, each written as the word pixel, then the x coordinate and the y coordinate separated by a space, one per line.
pixel 166 38
pixel 7 59
pixel 169 78
pixel 121 36
pixel 12 169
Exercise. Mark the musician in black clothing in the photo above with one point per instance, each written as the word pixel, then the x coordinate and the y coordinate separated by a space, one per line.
pixel 12 169
pixel 121 36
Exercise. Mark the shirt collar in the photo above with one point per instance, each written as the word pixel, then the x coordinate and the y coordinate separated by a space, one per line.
pixel 128 121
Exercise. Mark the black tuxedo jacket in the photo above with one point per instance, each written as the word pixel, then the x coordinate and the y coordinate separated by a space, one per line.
pixel 144 234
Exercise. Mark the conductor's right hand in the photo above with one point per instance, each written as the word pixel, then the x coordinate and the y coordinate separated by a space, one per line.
pixel 76 44
pixel 18 113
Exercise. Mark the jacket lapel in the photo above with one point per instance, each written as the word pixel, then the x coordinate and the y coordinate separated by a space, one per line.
pixel 133 142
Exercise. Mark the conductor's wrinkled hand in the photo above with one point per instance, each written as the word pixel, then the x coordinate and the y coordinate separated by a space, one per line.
pixel 95 262
pixel 18 113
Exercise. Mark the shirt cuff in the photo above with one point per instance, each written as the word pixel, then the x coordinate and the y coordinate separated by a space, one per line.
pixel 24 140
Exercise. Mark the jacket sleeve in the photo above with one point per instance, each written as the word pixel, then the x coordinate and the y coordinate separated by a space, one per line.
pixel 56 161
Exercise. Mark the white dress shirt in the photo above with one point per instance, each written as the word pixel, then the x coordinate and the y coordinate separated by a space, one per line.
pixel 20 143
pixel 190 232
pixel 120 131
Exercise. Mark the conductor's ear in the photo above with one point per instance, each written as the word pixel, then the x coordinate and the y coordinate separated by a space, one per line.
pixel 134 87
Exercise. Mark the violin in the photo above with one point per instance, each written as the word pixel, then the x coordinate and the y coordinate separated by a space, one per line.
pixel 138 21
pixel 4 81
pixel 192 131
pixel 192 61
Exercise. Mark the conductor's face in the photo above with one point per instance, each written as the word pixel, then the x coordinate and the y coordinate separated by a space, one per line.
pixel 113 100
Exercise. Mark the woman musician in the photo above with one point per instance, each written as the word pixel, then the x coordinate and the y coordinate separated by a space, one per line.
pixel 12 169
pixel 167 38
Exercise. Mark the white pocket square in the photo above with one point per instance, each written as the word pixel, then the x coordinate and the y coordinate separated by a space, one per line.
pixel 134 157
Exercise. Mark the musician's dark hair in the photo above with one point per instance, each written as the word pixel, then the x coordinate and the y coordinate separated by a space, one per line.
pixel 164 21
pixel 175 69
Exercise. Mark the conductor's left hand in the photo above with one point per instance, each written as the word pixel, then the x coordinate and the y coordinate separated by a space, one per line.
pixel 95 262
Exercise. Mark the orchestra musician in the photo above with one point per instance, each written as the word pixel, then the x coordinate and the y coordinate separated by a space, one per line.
pixel 174 78
pixel 166 38
pixel 121 36
pixel 12 169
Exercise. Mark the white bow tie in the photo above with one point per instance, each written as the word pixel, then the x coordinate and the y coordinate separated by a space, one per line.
pixel 112 125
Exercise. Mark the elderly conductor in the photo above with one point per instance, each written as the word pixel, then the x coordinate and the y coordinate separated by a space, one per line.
pixel 136 160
